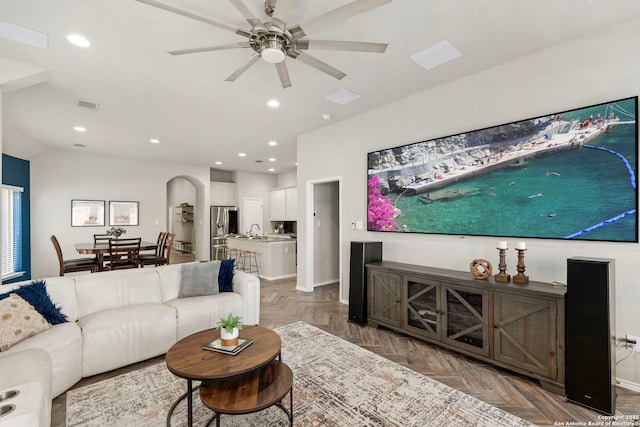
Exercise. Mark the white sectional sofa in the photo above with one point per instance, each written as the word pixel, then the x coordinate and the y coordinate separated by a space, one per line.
pixel 117 318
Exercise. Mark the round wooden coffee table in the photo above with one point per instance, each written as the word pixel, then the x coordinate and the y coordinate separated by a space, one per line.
pixel 187 359
pixel 251 392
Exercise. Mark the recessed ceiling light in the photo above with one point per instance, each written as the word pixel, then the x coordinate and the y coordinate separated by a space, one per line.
pixel 218 163
pixel 273 103
pixel 273 143
pixel 78 40
pixel 272 159
pixel 436 55
pixel 326 116
pixel 242 154
pixel 154 141
pixel 79 129
pixel 271 169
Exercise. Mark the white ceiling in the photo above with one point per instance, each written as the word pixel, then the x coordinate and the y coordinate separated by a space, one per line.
pixel 185 102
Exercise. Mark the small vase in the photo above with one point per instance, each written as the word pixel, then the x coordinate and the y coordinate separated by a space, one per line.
pixel 229 339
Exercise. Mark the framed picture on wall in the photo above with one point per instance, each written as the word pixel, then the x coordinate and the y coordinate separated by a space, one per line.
pixel 123 213
pixel 87 213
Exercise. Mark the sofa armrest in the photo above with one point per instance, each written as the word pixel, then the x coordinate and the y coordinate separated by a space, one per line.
pixel 248 286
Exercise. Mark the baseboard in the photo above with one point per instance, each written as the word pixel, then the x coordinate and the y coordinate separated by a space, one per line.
pixel 326 282
pixel 628 385
pixel 284 276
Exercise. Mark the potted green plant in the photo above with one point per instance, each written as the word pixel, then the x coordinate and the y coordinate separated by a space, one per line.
pixel 116 232
pixel 229 330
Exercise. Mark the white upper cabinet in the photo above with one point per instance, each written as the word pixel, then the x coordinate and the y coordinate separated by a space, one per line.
pixel 291 204
pixel 223 194
pixel 284 204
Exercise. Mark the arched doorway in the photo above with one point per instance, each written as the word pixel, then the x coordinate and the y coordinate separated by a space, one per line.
pixel 186 214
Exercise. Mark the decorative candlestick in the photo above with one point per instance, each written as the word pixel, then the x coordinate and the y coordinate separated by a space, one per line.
pixel 502 276
pixel 521 277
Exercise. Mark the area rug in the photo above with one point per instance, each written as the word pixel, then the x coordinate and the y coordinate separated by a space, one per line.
pixel 336 383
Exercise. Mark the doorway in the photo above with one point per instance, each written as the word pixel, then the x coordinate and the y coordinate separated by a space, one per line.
pixel 324 233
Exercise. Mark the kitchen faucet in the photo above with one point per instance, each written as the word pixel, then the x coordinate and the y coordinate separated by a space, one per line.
pixel 251 228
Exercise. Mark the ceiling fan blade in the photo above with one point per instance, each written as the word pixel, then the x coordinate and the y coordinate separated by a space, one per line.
pixel 247 13
pixel 318 65
pixel 281 14
pixel 210 48
pixel 191 15
pixel 342 46
pixel 283 73
pixel 244 67
pixel 340 14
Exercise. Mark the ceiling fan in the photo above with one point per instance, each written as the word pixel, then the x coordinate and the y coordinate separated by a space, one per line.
pixel 273 40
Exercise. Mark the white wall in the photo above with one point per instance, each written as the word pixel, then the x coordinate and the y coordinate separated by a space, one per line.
pixel 289 179
pixel 59 176
pixel 596 68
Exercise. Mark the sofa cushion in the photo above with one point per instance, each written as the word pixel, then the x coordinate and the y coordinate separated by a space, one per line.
pixel 36 295
pixel 63 342
pixel 225 277
pixel 199 313
pixel 112 289
pixel 18 321
pixel 200 278
pixel 170 276
pixel 118 337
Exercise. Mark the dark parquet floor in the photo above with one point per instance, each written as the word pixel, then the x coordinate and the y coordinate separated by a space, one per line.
pixel 281 303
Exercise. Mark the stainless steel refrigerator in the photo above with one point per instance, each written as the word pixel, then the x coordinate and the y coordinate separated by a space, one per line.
pixel 224 221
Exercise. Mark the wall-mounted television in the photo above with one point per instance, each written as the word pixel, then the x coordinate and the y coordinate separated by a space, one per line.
pixel 565 175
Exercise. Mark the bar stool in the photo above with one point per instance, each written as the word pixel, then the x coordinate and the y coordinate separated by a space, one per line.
pixel 235 254
pixel 249 262
pixel 219 250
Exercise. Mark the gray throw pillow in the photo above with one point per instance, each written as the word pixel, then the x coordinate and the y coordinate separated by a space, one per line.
pixel 199 279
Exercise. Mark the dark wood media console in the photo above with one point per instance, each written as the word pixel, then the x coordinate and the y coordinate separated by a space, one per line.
pixel 518 327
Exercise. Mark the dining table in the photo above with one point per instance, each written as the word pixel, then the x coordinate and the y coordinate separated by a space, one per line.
pixel 100 249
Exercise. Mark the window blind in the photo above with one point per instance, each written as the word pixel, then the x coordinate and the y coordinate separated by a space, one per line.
pixel 11 224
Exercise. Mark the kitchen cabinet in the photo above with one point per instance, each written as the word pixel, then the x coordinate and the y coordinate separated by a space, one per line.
pixel 284 204
pixel 514 326
pixel 291 204
pixel 277 205
pixel 223 194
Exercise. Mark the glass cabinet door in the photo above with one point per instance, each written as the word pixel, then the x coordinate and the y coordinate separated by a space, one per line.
pixel 466 320
pixel 423 307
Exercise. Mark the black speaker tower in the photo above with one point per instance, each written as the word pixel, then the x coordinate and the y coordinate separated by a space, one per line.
pixel 590 333
pixel 362 253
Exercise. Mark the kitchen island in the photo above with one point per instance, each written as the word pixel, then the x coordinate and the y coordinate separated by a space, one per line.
pixel 276 256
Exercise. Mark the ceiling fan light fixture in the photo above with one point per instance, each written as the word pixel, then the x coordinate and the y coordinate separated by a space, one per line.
pixel 272 50
pixel 272 55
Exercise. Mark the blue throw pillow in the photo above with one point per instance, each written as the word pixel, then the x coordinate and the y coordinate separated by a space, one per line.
pixel 225 276
pixel 36 295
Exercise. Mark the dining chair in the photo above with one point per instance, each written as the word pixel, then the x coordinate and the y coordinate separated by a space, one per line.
pixel 159 241
pixel 73 265
pixel 102 239
pixel 162 255
pixel 123 253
